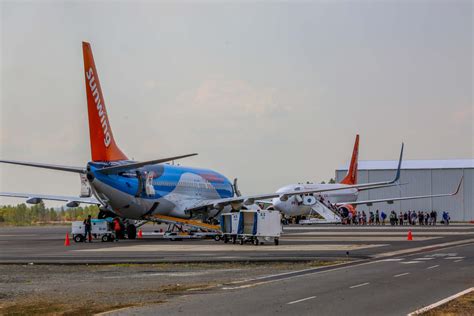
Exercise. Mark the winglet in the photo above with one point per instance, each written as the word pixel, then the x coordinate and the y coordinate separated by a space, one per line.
pixel 397 176
pixel 459 186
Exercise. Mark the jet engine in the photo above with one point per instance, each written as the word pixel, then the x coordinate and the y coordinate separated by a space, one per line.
pixel 309 200
pixel 345 209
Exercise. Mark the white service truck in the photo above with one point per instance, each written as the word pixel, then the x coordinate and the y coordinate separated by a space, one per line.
pixel 100 229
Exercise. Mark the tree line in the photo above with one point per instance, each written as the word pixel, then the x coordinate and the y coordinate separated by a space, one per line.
pixel 23 214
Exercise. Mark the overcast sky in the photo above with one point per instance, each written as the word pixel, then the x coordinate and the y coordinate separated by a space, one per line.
pixel 271 93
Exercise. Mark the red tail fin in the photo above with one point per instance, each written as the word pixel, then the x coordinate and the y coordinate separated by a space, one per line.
pixel 103 146
pixel 351 177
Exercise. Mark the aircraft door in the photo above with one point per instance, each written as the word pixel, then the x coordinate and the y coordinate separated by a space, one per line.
pixel 149 189
pixel 86 190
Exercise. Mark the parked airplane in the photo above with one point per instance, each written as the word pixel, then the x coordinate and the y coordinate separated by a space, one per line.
pixel 149 189
pixel 343 200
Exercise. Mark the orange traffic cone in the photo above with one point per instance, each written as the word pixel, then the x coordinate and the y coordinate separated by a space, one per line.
pixel 140 233
pixel 66 241
pixel 410 236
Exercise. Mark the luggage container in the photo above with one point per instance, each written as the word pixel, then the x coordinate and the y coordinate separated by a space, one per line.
pixel 229 227
pixel 100 229
pixel 252 226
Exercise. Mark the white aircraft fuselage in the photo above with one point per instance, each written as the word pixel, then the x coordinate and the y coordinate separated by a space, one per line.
pixel 301 205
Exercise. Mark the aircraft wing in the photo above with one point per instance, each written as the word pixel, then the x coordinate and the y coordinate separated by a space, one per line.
pixel 72 201
pixel 46 166
pixel 391 200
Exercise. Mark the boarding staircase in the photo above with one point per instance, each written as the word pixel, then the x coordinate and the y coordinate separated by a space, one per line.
pixel 329 214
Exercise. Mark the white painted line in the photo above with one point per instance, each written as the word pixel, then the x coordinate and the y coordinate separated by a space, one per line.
pixel 291 272
pixel 432 267
pixel 454 258
pixel 458 260
pixel 410 262
pixel 430 258
pixel 443 301
pixel 359 285
pixel 301 300
pixel 411 250
pixel 391 260
pixel 401 274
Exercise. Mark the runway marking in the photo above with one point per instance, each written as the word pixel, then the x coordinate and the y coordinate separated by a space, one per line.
pixel 453 258
pixel 443 301
pixel 391 260
pixel 401 274
pixel 410 262
pixel 458 260
pixel 456 244
pixel 432 267
pixel 424 259
pixel 433 247
pixel 440 255
pixel 359 285
pixel 301 300
pixel 352 238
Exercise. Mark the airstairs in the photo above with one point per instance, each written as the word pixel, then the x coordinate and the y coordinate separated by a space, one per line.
pixel 330 216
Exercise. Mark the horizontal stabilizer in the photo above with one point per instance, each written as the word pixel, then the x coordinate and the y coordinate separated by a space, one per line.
pixel 46 166
pixel 135 165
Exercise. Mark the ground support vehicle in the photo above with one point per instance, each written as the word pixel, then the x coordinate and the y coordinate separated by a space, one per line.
pixel 101 229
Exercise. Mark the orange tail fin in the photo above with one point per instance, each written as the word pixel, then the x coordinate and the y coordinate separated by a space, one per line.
pixel 351 177
pixel 103 146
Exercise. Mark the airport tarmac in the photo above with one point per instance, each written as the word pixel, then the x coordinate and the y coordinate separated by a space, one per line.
pixel 395 286
pixel 45 244
pixel 372 271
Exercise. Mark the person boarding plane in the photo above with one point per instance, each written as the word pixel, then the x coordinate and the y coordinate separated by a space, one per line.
pixel 343 200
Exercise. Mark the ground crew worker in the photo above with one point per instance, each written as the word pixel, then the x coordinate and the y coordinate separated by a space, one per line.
pixel 117 228
pixel 88 228
pixel 377 217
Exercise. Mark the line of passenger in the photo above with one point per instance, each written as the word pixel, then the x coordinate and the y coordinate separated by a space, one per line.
pixel 420 218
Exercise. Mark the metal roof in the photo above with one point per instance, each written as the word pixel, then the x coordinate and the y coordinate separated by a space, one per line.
pixel 412 164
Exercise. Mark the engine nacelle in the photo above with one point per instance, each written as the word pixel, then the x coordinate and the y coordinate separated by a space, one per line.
pixel 34 200
pixel 345 209
pixel 309 200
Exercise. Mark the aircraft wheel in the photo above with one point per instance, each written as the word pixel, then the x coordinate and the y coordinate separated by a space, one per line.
pixel 78 238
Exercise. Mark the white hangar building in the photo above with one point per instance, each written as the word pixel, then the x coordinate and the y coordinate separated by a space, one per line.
pixel 420 177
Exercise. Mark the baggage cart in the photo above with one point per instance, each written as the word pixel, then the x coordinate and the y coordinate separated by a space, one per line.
pixel 229 227
pixel 252 226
